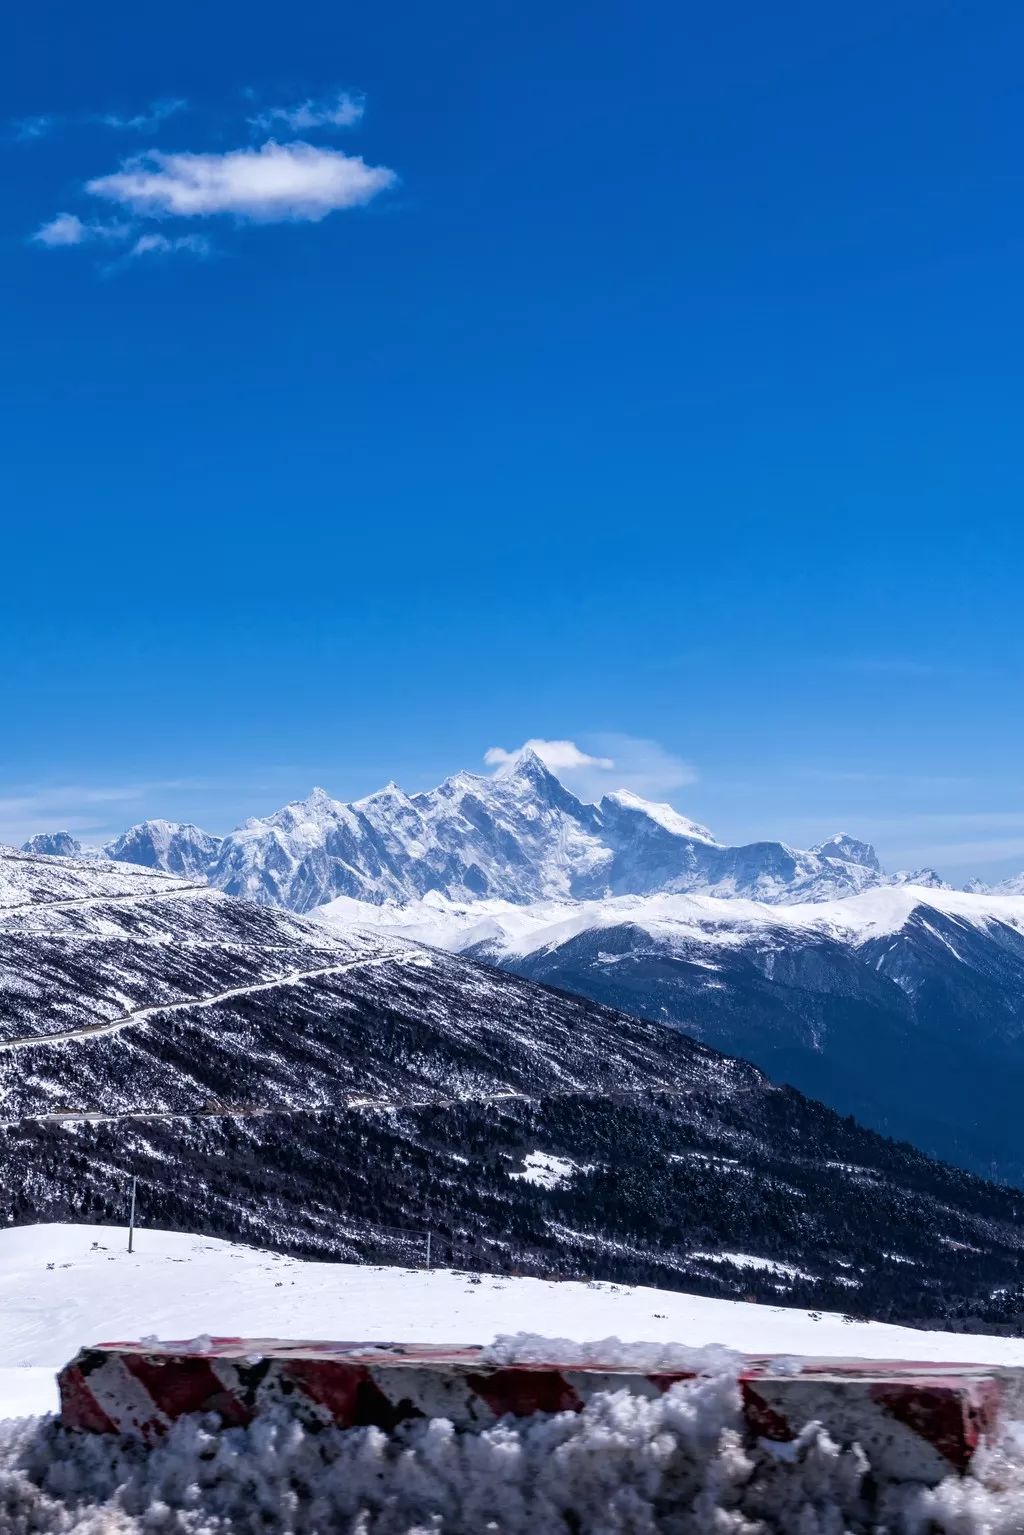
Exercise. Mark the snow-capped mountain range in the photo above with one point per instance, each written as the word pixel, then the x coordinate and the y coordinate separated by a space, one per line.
pixel 518 836
pixel 815 964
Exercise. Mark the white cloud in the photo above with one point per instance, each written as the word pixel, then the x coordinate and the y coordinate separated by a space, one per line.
pixel 162 245
pixel 65 229
pixel 338 111
pixel 616 762
pixel 557 755
pixel 151 117
pixel 69 229
pixel 274 183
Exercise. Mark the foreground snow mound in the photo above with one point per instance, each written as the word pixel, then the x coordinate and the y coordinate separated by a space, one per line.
pixel 611 1353
pixel 674 1464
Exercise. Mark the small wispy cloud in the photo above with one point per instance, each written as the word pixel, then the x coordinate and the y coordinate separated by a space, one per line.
pixel 166 245
pixel 272 184
pixel 26 130
pixel 68 229
pixel 340 110
pixel 150 117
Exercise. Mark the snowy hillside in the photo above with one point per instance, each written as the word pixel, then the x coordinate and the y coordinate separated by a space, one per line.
pixel 65 1286
pixel 30 880
pixel 850 1000
pixel 312 1090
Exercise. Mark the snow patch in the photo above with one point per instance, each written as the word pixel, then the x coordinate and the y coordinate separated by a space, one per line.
pixel 547 1171
pixel 751 1261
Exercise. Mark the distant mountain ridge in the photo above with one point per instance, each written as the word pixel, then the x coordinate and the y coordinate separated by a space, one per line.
pixel 901 1005
pixel 518 836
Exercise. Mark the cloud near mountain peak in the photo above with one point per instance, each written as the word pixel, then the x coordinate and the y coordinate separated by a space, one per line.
pixel 615 761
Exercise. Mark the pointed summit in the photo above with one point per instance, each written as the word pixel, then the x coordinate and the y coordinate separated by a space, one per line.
pixel 529 767
pixel 317 798
pixel 391 794
pixel 849 850
pixel 528 776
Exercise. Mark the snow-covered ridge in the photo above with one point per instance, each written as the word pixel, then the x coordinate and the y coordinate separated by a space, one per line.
pixel 30 879
pixel 508 929
pixel 903 1004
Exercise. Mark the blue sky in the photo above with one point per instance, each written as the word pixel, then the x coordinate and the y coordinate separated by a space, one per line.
pixel 623 374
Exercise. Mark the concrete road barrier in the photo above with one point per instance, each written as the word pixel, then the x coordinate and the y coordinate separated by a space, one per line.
pixel 916 1422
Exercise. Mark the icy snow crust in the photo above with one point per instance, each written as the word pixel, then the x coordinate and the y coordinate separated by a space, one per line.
pixel 28 879
pixel 675 1463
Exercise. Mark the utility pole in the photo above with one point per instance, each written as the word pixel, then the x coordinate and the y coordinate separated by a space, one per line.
pixel 428 1249
pixel 131 1215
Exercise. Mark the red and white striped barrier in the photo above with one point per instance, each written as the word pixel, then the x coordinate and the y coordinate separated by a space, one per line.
pixel 915 1422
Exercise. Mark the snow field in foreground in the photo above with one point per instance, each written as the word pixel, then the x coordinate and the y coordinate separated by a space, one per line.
pixel 676 1463
pixel 64 1286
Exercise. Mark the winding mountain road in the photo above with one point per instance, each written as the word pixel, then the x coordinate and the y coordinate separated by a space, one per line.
pixel 352 1101
pixel 67 903
pixel 143 1014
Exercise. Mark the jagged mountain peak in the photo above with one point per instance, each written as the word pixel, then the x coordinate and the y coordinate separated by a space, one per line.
pixel 517 835
pixel 526 766
pixel 664 815
pixel 454 786
pixel 53 844
pixel 316 809
pixel 393 789
pixel 924 879
pixel 317 800
pixel 849 850
pixel 177 847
